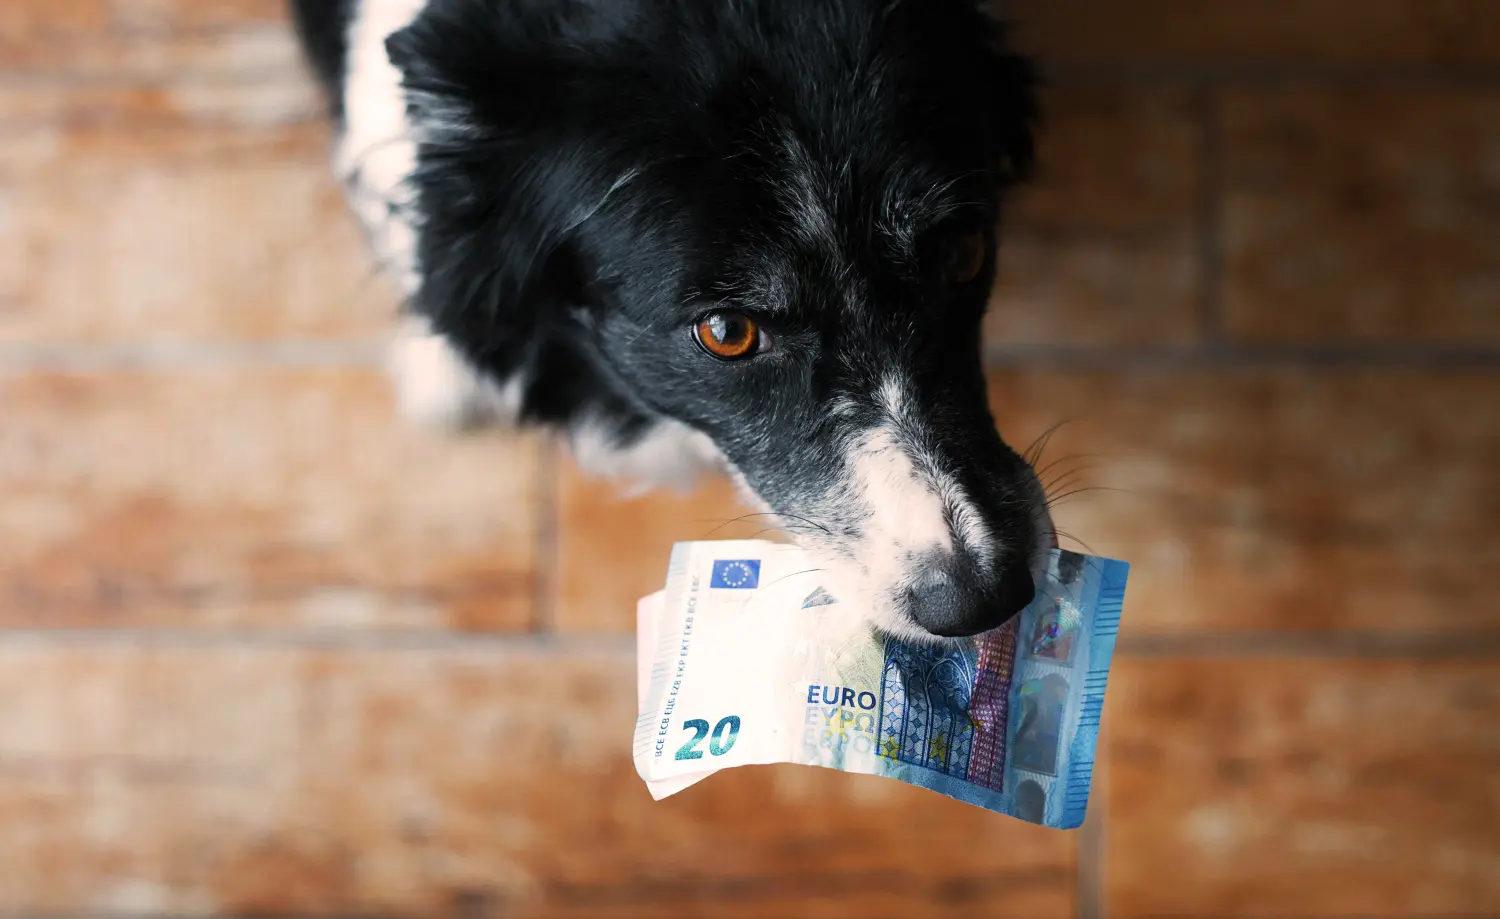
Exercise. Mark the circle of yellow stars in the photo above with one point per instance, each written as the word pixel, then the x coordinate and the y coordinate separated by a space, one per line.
pixel 938 748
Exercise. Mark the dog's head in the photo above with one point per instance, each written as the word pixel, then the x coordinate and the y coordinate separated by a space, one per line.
pixel 770 222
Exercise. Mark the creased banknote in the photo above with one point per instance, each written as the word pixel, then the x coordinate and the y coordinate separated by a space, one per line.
pixel 746 658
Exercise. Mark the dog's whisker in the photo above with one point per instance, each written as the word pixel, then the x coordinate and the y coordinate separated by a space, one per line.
pixel 1031 454
pixel 1056 500
pixel 1082 489
pixel 802 520
pixel 1057 481
pixel 1068 486
pixel 1064 534
pixel 1058 471
pixel 1063 459
pixel 1066 480
pixel 759 533
pixel 792 575
pixel 1034 452
pixel 789 529
pixel 811 523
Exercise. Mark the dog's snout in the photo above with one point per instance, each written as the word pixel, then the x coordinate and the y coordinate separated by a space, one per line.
pixel 950 605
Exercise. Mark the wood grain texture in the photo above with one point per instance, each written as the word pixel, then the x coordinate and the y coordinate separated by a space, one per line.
pixel 1303 788
pixel 255 499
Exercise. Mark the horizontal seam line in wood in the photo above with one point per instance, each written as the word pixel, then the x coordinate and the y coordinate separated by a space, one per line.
pixel 1283 645
pixel 1229 76
pixel 53 39
pixel 125 78
pixel 1229 356
pixel 427 640
pixel 103 358
pixel 189 356
pixel 154 76
pixel 1316 645
pixel 97 117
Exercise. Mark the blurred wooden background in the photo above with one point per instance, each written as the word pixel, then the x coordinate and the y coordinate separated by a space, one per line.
pixel 267 652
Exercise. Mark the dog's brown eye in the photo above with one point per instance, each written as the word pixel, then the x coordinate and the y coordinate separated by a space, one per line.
pixel 965 258
pixel 728 335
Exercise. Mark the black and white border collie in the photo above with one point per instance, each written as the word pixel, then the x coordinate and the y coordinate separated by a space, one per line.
pixel 751 235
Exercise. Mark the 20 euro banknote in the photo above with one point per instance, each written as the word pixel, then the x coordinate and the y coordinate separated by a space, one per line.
pixel 748 659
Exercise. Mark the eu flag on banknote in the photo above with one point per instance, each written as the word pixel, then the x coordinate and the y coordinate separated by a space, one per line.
pixel 736 574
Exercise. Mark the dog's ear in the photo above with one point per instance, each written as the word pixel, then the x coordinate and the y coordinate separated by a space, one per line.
pixel 1010 80
pixel 508 167
pixel 1015 114
pixel 979 79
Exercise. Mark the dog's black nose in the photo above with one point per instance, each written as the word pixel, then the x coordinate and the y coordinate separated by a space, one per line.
pixel 952 607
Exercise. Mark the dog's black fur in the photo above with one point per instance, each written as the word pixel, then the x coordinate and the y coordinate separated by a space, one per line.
pixel 593 177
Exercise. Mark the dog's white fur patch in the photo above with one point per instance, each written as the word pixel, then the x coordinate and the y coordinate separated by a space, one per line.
pixel 377 151
pixel 967 524
pixel 907 510
pixel 903 511
pixel 671 454
pixel 437 388
pixel 965 521
pixel 374 158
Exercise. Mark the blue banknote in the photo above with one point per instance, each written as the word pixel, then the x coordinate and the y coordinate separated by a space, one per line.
pixel 737 675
